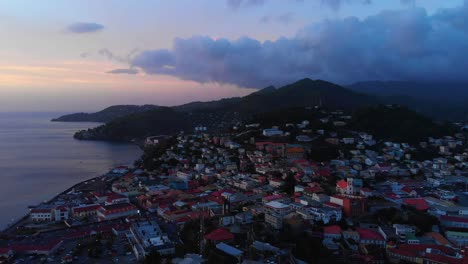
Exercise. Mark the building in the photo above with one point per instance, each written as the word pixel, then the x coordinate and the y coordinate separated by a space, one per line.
pixel 114 198
pixel 352 205
pixel 145 236
pixel 402 231
pixel 270 132
pixel 352 186
pixel 275 213
pixel 113 211
pixel 457 238
pixel 41 214
pixel 85 210
pixel 57 214
pixel 454 221
pixel 370 237
pixel 425 254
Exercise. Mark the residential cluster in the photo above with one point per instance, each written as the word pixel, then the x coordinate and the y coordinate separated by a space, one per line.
pixel 260 195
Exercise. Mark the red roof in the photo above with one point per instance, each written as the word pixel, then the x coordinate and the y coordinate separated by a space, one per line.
pixel 219 234
pixel 316 189
pixel 324 172
pixel 410 250
pixel 86 208
pixel 332 230
pixel 368 234
pixel 4 250
pixel 115 196
pixel 418 203
pixel 117 208
pixel 41 210
pixel 342 184
pixel 406 189
pixel 35 247
pixel 330 204
pixel 272 197
pixel 454 218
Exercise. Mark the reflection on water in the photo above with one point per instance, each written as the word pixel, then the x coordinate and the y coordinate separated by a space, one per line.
pixel 39 159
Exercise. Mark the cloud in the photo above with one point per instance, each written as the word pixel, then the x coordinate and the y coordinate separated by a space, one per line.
pixel 82 27
pixel 124 71
pixel 114 57
pixel 238 3
pixel 283 19
pixel 235 4
pixel 392 45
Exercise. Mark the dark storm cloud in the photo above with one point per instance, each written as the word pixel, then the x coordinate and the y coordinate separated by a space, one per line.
pixel 124 71
pixel 82 27
pixel 392 45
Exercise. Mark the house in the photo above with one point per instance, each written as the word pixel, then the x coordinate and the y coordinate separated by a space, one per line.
pixel 145 236
pixel 294 152
pixel 402 231
pixel 49 214
pixel 352 206
pixel 275 213
pixel 419 204
pixel 270 132
pixel 352 186
pixel 332 232
pixel 41 214
pixel 113 211
pixel 370 237
pixel 429 253
pixel 219 235
pixel 457 238
pixel 454 221
pixel 114 198
pixel 331 236
pixel 85 210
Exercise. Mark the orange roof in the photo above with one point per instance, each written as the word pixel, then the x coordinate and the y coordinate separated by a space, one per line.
pixel 295 150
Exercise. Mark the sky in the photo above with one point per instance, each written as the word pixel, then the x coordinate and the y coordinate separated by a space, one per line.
pixel 85 55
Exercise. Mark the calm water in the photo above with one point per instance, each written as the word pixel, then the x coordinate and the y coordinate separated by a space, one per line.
pixel 39 159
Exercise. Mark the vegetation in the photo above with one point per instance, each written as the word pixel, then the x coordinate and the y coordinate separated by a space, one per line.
pixel 163 120
pixel 398 124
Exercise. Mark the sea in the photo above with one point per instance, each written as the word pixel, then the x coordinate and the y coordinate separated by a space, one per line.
pixel 40 158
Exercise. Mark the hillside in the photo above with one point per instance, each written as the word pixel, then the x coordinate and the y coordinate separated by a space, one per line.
pixel 106 115
pixel 163 120
pixel 305 92
pixel 442 101
pixel 224 113
pixel 397 124
pixel 434 91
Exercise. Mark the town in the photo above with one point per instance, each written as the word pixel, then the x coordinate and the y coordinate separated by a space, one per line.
pixel 308 191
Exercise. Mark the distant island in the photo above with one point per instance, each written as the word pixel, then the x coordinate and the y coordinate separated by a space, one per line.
pixel 105 115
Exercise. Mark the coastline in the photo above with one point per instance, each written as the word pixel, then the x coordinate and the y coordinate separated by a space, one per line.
pixel 13 225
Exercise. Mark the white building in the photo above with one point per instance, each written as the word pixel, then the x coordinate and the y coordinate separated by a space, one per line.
pixel 270 132
pixel 147 235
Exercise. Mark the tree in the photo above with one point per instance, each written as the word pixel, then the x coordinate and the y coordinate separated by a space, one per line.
pixel 153 257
